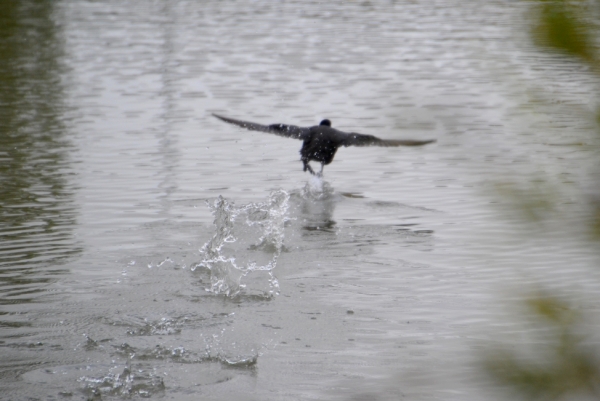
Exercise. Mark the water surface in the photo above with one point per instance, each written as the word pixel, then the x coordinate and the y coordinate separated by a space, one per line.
pixel 389 277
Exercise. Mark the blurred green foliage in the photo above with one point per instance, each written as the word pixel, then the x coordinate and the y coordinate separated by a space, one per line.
pixel 559 366
pixel 570 27
pixel 563 366
pixel 562 25
pixel 536 202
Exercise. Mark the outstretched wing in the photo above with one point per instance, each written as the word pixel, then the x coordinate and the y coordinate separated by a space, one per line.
pixel 289 131
pixel 354 139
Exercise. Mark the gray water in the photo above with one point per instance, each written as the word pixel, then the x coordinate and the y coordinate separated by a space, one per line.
pixel 150 250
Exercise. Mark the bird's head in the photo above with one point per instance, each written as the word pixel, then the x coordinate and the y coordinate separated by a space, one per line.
pixel 326 122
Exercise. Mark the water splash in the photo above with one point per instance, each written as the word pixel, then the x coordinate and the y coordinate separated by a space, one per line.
pixel 125 384
pixel 314 204
pixel 243 252
pixel 317 188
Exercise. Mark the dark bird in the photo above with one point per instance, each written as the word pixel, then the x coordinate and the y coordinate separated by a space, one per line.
pixel 321 141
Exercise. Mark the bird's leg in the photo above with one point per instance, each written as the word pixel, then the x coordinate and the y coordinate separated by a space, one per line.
pixel 308 167
pixel 320 173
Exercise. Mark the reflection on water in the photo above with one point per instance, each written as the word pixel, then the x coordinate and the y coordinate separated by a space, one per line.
pixel 37 212
pixel 316 204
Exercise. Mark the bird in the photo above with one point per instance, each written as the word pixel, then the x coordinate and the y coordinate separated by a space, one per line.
pixel 321 142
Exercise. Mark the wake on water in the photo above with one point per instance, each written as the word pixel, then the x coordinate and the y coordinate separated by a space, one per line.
pixel 242 254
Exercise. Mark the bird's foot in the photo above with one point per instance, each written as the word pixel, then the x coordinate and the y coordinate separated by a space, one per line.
pixel 309 168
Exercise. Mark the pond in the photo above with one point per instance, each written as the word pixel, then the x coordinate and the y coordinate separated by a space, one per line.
pixel 149 249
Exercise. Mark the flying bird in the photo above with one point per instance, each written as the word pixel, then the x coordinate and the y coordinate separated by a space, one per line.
pixel 321 141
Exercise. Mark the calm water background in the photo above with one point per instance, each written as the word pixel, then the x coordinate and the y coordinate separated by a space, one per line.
pixel 392 285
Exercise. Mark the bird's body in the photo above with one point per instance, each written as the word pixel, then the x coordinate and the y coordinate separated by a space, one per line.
pixel 321 142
